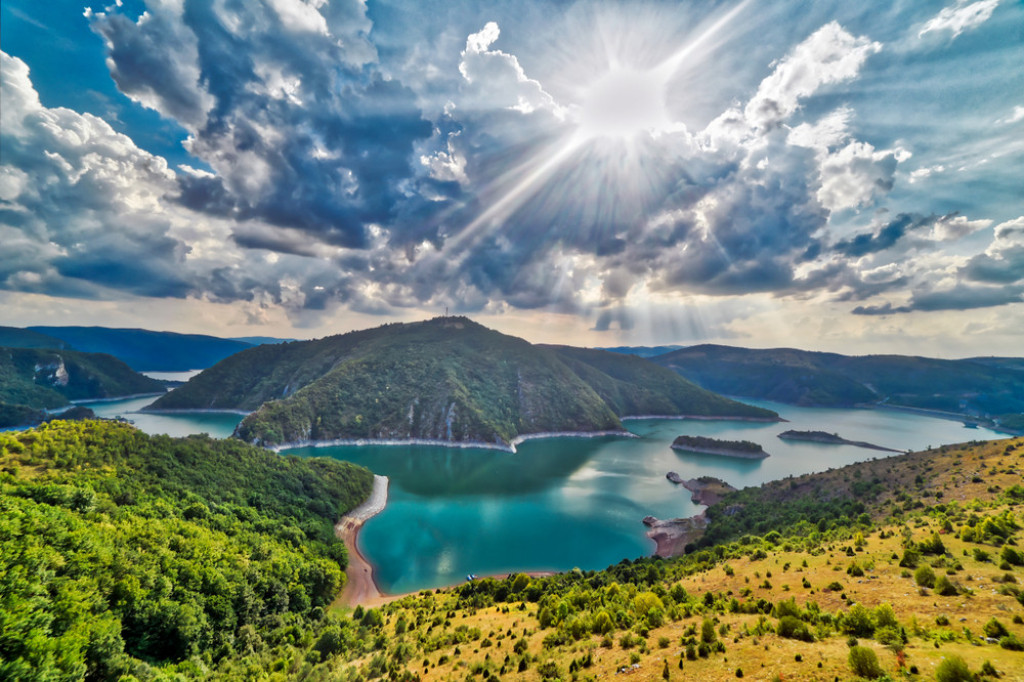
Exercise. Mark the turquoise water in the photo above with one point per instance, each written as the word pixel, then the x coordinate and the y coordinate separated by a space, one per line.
pixel 562 503
pixel 218 425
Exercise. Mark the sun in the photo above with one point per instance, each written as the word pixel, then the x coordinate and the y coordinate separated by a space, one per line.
pixel 624 102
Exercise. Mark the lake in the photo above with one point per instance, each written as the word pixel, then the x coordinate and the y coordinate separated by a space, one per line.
pixel 562 503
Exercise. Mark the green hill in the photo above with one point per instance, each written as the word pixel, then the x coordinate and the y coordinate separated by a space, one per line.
pixel 13 337
pixel 979 386
pixel 44 379
pixel 123 554
pixel 148 351
pixel 444 379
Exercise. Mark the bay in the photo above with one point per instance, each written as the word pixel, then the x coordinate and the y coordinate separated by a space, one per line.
pixel 564 503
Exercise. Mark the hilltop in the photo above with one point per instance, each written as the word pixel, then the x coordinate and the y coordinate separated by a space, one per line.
pixel 976 387
pixel 446 379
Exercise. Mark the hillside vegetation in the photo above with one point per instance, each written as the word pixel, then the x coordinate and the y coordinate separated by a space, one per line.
pixel 34 379
pixel 148 351
pixel 977 386
pixel 126 554
pixel 15 337
pixel 155 559
pixel 445 379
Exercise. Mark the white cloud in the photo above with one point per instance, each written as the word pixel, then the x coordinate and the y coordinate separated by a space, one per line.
pixel 498 81
pixel 960 17
pixel 830 55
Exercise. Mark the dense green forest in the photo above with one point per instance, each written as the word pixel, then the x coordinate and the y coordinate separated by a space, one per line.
pixel 986 386
pixel 704 444
pixel 128 554
pixel 33 379
pixel 443 379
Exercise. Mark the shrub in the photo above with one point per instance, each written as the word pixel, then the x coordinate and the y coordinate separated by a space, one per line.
pixel 953 669
pixel 924 576
pixel 993 628
pixel 792 627
pixel 1012 643
pixel 945 588
pixel 864 663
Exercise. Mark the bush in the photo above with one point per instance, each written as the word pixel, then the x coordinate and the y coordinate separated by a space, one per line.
pixel 945 588
pixel 953 669
pixel 924 576
pixel 993 628
pixel 1012 643
pixel 792 627
pixel 864 663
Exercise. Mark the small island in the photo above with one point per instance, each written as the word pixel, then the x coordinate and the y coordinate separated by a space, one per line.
pixel 831 438
pixel 742 449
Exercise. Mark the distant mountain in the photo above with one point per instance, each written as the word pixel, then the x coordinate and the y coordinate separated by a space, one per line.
pixel 149 351
pixel 37 379
pixel 444 379
pixel 260 340
pixel 642 351
pixel 981 386
pixel 14 337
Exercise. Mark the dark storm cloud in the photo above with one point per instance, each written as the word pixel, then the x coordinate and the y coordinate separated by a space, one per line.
pixel 960 297
pixel 882 239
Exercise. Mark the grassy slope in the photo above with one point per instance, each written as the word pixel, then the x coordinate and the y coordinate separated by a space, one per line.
pixel 118 548
pixel 810 378
pixel 405 381
pixel 90 375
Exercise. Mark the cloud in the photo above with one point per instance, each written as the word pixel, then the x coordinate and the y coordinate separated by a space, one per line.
pixel 962 16
pixel 830 55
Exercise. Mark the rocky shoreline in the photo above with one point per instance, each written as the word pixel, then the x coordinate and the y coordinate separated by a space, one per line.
pixel 671 536
pixel 705 418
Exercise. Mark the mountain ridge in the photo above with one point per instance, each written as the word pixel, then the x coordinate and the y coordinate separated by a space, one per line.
pixel 447 379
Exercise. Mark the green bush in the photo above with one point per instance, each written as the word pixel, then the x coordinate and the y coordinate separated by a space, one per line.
pixel 792 627
pixel 924 576
pixel 864 663
pixel 953 669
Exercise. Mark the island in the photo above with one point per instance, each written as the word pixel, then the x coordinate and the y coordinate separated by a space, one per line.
pixel 707 490
pixel 741 449
pixel 831 438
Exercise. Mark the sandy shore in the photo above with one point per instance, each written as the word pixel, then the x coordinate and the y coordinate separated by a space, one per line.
pixel 360 588
pixel 114 399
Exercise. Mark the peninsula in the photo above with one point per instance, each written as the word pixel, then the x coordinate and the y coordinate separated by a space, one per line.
pixel 830 438
pixel 741 449
pixel 673 535
pixel 447 381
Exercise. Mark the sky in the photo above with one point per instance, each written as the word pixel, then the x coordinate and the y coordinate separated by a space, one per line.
pixel 830 176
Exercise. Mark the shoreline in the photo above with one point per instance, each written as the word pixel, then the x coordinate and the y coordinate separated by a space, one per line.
pixel 471 445
pixel 706 418
pixel 82 401
pixel 360 585
pixel 191 410
pixel 735 454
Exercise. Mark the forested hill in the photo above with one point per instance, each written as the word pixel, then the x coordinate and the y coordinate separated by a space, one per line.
pixel 144 350
pixel 444 379
pixel 121 552
pixel 974 386
pixel 32 379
